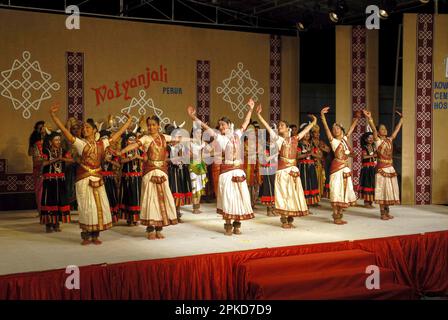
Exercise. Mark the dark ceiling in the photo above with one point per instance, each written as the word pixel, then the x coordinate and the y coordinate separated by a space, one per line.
pixel 279 16
pixel 317 55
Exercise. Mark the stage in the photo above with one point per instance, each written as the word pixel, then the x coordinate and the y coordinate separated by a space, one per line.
pixel 196 250
pixel 26 247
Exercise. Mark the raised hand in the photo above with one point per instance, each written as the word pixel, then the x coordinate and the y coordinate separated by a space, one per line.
pixel 367 114
pixel 259 109
pixel 191 112
pixel 55 108
pixel 399 113
pixel 313 117
pixel 324 110
pixel 251 103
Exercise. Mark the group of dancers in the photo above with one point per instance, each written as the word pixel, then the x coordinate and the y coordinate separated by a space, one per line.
pixel 146 176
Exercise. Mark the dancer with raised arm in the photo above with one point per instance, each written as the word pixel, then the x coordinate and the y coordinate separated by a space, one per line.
pixel 93 205
pixel 233 199
pixel 158 209
pixel 342 194
pixel 387 192
pixel 290 200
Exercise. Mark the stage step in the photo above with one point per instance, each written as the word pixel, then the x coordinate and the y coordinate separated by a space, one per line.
pixel 329 275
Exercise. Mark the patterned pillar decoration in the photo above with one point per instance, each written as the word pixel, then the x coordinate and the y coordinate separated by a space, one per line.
pixel 14 182
pixel 359 76
pixel 423 108
pixel 203 90
pixel 75 84
pixel 275 77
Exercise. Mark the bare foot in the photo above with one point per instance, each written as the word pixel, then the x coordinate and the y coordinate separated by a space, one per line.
pixel 159 235
pixel 85 242
pixel 151 236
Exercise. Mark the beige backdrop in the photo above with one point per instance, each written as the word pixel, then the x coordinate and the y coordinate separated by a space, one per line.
pixel 118 50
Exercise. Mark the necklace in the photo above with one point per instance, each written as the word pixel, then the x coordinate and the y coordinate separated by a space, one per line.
pixel 57 166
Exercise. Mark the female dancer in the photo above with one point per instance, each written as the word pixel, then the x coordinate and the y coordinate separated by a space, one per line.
pixel 35 145
pixel 386 183
pixel 158 209
pixel 93 205
pixel 109 165
pixel 178 173
pixel 198 168
pixel 289 197
pixel 251 165
pixel 268 167
pixel 307 155
pixel 131 181
pixel 366 189
pixel 75 128
pixel 342 194
pixel 321 168
pixel 55 208
pixel 233 200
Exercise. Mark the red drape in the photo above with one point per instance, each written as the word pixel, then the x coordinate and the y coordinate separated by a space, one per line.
pixel 419 261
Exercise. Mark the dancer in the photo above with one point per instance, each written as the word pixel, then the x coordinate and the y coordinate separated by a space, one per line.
pixel 93 205
pixel 290 200
pixel 307 155
pixel 35 144
pixel 158 209
pixel 366 189
pixel 251 165
pixel 294 130
pixel 233 199
pixel 109 165
pixel 322 168
pixel 198 168
pixel 75 128
pixel 342 194
pixel 178 172
pixel 55 208
pixel 217 161
pixel 386 182
pixel 268 167
pixel 131 181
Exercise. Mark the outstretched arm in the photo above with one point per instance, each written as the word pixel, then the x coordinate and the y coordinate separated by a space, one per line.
pixel 308 127
pixel 118 134
pixel 192 114
pixel 352 127
pixel 246 121
pixel 368 115
pixel 398 127
pixel 324 121
pixel 264 122
pixel 130 147
pixel 53 111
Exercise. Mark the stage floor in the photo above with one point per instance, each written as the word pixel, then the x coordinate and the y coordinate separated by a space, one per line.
pixel 26 247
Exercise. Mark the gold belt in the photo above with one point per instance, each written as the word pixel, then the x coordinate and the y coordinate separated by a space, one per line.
pixel 234 162
pixel 91 171
pixel 385 160
pixel 288 160
pixel 157 163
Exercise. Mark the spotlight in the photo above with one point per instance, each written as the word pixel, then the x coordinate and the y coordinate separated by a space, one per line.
pixel 334 17
pixel 386 8
pixel 338 11
pixel 425 1
pixel 305 21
